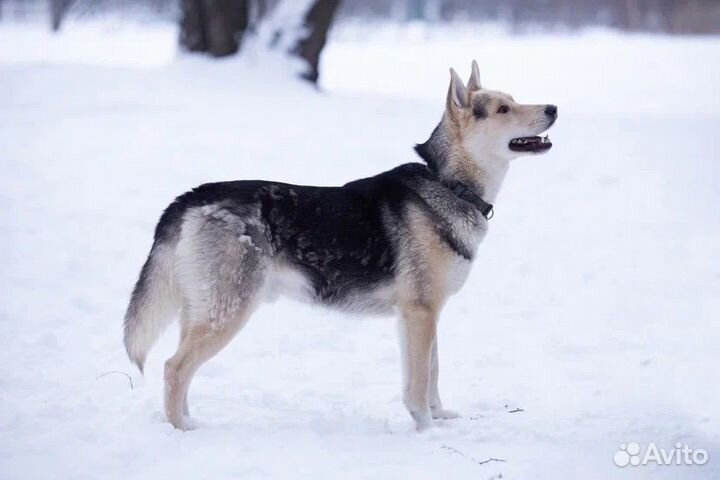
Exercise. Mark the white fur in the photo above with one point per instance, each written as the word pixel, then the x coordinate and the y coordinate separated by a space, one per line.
pixel 288 282
pixel 155 309
pixel 283 280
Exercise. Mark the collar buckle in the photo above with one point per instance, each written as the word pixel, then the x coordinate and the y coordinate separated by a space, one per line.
pixel 489 212
pixel 463 192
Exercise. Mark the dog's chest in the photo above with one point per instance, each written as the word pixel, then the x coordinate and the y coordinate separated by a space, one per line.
pixel 458 272
pixel 459 266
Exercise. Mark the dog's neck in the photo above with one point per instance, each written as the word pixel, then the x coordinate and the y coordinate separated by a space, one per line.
pixel 454 163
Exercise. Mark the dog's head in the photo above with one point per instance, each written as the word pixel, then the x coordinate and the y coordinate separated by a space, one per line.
pixel 490 122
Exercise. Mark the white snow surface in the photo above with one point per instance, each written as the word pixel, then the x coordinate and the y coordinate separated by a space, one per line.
pixel 593 305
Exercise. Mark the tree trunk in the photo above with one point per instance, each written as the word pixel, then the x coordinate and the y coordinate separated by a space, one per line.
pixel 213 26
pixel 633 15
pixel 217 27
pixel 58 9
pixel 317 24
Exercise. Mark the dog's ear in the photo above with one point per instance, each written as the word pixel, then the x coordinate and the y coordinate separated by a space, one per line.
pixel 458 96
pixel 474 82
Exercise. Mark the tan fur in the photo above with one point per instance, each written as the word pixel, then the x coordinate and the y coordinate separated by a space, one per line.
pixel 199 341
pixel 420 302
pixel 417 333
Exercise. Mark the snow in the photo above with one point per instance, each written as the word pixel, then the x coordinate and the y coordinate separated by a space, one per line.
pixel 593 306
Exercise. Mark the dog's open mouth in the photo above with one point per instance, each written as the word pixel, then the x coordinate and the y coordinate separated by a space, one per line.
pixel 530 144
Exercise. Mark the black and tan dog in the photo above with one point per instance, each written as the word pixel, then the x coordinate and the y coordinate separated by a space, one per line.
pixel 400 241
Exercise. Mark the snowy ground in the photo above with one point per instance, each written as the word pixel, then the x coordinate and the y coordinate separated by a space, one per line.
pixel 593 306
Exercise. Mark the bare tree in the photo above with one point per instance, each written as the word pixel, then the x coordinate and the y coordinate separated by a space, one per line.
pixel 317 24
pixel 217 27
pixel 58 9
pixel 213 26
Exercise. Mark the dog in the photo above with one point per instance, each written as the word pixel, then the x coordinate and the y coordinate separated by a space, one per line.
pixel 402 241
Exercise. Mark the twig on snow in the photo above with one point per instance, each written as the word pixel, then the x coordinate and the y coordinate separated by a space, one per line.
pixel 132 387
pixel 453 450
pixel 479 462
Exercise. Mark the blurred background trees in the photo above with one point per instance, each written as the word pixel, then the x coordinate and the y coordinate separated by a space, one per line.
pixel 300 27
pixel 667 16
pixel 217 27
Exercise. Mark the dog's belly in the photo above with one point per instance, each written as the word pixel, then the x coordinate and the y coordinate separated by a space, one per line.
pixel 346 294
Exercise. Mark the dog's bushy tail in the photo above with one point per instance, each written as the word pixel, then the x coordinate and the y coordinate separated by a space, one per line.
pixel 153 303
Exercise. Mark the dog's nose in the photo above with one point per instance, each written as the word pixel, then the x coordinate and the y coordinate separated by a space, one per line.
pixel 551 110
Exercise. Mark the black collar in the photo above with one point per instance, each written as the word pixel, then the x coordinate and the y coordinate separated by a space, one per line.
pixel 464 192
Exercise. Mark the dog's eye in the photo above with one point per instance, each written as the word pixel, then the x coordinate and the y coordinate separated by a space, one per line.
pixel 503 109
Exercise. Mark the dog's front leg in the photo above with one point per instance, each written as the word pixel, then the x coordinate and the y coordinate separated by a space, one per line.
pixel 436 407
pixel 417 336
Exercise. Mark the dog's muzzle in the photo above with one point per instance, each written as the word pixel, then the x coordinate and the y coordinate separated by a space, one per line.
pixel 536 144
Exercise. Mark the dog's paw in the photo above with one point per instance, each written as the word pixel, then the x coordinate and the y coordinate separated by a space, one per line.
pixel 190 423
pixel 182 422
pixel 423 421
pixel 421 427
pixel 444 414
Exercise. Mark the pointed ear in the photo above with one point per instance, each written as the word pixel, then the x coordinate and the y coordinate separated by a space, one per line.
pixel 458 96
pixel 474 82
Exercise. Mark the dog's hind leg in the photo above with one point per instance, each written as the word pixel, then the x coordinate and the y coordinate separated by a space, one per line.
pixel 417 336
pixel 199 342
pixel 220 269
